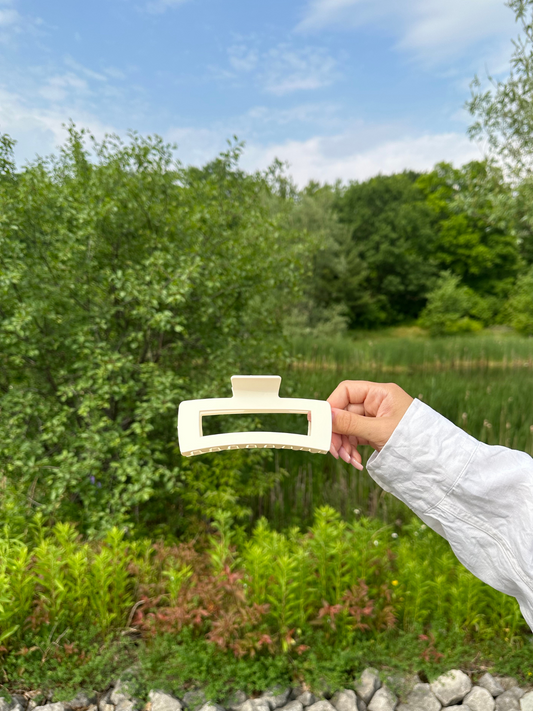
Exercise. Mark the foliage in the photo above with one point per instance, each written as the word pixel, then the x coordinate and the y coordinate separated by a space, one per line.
pixel 128 283
pixel 503 113
pixel 389 253
pixel 451 308
pixel 275 593
pixel 475 240
pixel 518 310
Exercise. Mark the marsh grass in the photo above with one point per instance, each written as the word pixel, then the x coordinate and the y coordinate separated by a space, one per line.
pixel 483 383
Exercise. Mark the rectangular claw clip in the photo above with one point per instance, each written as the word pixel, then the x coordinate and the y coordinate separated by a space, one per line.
pixel 253 394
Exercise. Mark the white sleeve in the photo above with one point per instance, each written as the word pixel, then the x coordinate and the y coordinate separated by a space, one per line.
pixel 478 497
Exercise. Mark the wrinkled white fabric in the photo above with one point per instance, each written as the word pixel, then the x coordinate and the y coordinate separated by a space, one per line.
pixel 478 497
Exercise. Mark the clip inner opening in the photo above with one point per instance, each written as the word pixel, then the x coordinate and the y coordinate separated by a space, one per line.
pixel 295 422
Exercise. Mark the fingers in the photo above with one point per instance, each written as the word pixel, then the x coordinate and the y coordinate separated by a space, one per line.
pixel 348 423
pixel 350 392
pixel 346 448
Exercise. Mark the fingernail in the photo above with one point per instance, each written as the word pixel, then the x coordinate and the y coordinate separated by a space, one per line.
pixel 357 464
pixel 344 455
pixel 334 452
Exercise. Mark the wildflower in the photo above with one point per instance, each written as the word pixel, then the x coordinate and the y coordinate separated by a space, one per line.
pixel 357 511
pixel 92 479
pixel 394 535
pixel 487 424
pixel 395 582
pixel 376 543
pixel 423 527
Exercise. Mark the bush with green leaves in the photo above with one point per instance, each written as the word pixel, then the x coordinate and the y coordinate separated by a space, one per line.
pixel 127 284
pixel 454 308
pixel 273 595
pixel 518 311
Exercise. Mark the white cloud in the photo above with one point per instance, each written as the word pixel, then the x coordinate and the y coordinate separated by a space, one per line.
pixel 355 154
pixel 288 70
pixel 243 59
pixel 430 29
pixel 159 6
pixel 345 156
pixel 8 17
pixel 39 131
pixel 283 69
pixel 58 88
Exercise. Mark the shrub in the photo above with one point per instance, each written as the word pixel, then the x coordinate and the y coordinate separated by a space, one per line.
pixel 518 311
pixel 453 308
pixel 129 283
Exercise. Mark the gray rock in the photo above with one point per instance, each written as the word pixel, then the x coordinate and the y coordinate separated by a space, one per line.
pixel 293 706
pixel 103 700
pixel 125 704
pixel 4 704
pixel 368 684
pixel 508 701
pixel 479 699
pixel 276 697
pixel 18 702
pixel 194 700
pixel 507 682
pixel 307 699
pixel 211 706
pixel 296 691
pixel 321 706
pixel 423 699
pixel 163 702
pixel 59 706
pixel 235 699
pixel 526 702
pixel 119 693
pixel 491 684
pixel 383 700
pixel 462 706
pixel 82 701
pixel 451 687
pixel 345 700
pixel 254 705
pixel 361 704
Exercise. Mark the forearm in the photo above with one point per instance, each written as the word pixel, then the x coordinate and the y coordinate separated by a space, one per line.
pixel 480 498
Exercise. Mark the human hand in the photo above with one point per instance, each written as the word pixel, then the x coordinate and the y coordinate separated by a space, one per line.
pixel 364 413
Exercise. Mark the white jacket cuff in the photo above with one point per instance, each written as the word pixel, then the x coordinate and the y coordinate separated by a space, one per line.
pixel 423 458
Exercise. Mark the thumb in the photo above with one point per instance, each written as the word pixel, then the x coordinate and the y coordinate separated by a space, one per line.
pixel 348 423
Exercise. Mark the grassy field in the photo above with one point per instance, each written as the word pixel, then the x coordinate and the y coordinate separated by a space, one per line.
pixel 483 383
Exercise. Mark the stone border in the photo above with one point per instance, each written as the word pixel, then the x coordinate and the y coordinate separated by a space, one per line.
pixel 451 690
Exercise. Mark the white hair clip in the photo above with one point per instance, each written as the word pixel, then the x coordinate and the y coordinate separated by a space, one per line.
pixel 253 394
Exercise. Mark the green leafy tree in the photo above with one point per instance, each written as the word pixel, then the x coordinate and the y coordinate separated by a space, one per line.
pixel 129 283
pixel 473 240
pixel 389 252
pixel 503 117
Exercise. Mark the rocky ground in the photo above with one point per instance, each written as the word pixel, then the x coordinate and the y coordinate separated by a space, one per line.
pixel 452 690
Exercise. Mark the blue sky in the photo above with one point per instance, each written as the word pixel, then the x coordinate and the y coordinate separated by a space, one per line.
pixel 341 89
